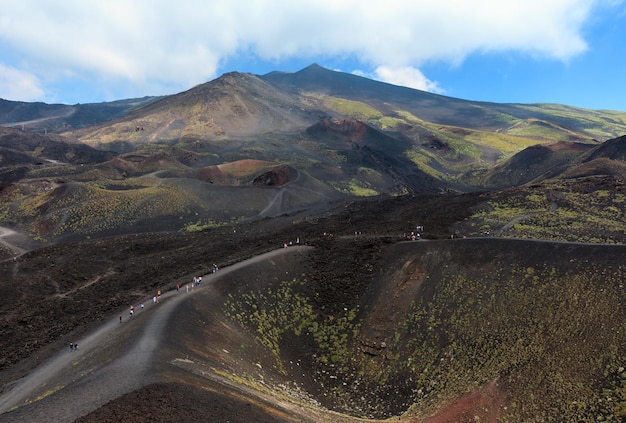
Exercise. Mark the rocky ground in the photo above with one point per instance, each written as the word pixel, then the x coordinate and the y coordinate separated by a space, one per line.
pixel 58 294
pixel 54 295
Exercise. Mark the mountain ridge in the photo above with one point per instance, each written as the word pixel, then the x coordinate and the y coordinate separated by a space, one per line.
pixel 181 152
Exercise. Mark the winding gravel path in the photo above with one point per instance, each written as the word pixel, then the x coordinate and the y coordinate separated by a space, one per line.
pixel 115 359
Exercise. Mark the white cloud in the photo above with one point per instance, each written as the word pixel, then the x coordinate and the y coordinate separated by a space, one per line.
pixel 408 77
pixel 160 43
pixel 15 84
pixel 411 32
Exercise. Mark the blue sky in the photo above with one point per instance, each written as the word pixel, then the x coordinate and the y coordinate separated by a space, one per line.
pixel 527 51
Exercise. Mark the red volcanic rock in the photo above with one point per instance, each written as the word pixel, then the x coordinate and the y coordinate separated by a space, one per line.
pixel 278 176
pixel 352 129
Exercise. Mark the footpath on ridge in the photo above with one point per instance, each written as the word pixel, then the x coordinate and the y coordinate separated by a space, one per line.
pixel 114 359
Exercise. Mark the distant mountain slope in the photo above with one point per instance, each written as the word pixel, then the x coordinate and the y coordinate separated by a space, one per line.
pixel 22 153
pixel 51 147
pixel 273 117
pixel 387 98
pixel 539 161
pixel 245 147
pixel 559 160
pixel 608 158
pixel 384 156
pixel 235 105
pixel 47 118
pixel 242 105
pixel 390 99
pixel 614 149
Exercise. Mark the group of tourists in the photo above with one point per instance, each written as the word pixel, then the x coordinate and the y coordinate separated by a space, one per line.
pixel 197 280
pixel 131 310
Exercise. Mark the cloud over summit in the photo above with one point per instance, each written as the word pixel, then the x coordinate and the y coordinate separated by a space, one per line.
pixel 157 46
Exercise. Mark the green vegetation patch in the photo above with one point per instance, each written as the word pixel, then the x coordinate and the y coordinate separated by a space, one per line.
pixel 271 314
pixel 356 187
pixel 565 212
pixel 88 208
pixel 600 124
pixel 538 129
pixel 203 225
pixel 389 123
pixel 355 109
pixel 430 163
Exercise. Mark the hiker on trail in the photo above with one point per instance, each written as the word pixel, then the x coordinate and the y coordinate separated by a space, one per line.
pixel 120 319
pixel 154 300
pixel 71 346
pixel 158 294
pixel 177 288
pixel 142 306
